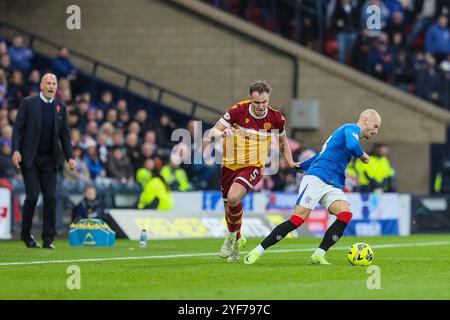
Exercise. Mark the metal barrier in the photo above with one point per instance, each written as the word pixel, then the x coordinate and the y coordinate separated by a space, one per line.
pixel 127 77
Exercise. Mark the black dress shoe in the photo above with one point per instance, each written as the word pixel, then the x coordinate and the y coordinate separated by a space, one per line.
pixel 30 242
pixel 48 246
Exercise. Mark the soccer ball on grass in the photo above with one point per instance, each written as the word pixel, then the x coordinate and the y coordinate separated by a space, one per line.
pixel 360 254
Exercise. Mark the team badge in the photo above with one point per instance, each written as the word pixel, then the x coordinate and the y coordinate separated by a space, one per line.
pixel 267 125
pixel 247 120
pixel 227 116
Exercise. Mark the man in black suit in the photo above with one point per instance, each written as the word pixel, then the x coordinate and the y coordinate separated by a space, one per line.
pixel 41 127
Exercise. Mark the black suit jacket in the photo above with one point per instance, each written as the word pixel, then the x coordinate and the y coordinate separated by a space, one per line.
pixel 27 130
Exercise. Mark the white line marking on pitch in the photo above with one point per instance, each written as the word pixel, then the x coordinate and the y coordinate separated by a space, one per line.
pixel 187 255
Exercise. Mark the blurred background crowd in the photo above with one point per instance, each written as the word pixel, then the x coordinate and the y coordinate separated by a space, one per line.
pixel 115 146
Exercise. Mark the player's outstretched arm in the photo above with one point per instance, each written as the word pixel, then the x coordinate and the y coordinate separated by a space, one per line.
pixel 352 143
pixel 306 164
pixel 285 150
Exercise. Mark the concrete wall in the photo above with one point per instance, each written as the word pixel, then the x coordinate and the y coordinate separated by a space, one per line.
pixel 153 40
pixel 214 60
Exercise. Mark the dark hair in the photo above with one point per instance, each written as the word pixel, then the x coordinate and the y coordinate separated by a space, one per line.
pixel 156 173
pixel 260 87
pixel 89 186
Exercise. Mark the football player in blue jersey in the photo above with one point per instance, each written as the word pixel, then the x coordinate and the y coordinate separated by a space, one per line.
pixel 323 183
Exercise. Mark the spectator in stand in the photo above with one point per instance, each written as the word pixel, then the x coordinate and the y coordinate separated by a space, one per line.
pixel 91 130
pixel 82 107
pixel 106 101
pixel 132 150
pixel 118 166
pixel 175 177
pixel 3 48
pixel 150 138
pixel 85 96
pixel 425 12
pixel 135 127
pixel 122 105
pixel 201 174
pixel 5 63
pixel 345 20
pixel 91 115
pixel 75 137
pixel 64 91
pixel 428 81
pixel 81 175
pixel 403 74
pixel 378 174
pixel 102 147
pixel 89 207
pixel 142 118
pixel 123 120
pixel 34 81
pixel 74 120
pixel 163 132
pixel 12 116
pixel 7 133
pixel 395 6
pixel 16 89
pixel 111 116
pixel 7 169
pixel 99 116
pixel 20 55
pixel 396 30
pixel 62 67
pixel 419 62
pixel 93 162
pixel 3 87
pixel 437 39
pixel 381 59
pixel 156 193
pixel 147 152
pixel 107 129
pixel 117 137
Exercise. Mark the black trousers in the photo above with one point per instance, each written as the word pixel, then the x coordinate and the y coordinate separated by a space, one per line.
pixel 41 176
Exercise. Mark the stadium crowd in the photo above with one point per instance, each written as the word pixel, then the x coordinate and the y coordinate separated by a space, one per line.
pixel 410 50
pixel 117 144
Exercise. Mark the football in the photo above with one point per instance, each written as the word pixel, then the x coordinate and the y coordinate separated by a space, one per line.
pixel 360 254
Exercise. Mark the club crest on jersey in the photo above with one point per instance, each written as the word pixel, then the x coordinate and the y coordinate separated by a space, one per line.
pixel 227 116
pixel 247 120
pixel 267 125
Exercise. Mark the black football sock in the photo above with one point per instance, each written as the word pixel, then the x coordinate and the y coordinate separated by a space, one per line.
pixel 335 231
pixel 281 231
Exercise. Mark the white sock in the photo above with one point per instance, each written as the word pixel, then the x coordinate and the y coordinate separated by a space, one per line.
pixel 259 249
pixel 319 251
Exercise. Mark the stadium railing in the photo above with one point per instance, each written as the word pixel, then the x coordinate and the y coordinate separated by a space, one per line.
pixel 128 78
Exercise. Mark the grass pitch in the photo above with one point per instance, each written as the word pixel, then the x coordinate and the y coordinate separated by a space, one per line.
pixel 415 267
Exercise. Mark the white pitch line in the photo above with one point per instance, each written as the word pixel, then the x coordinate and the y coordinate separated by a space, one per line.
pixel 188 255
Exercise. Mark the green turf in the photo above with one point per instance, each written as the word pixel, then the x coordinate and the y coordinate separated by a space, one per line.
pixel 408 272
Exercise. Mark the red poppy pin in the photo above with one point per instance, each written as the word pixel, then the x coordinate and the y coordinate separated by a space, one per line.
pixel 58 107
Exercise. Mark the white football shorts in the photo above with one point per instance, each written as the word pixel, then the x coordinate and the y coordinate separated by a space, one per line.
pixel 313 190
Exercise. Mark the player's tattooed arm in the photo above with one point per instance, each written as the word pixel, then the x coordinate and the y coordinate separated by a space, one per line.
pixel 285 150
